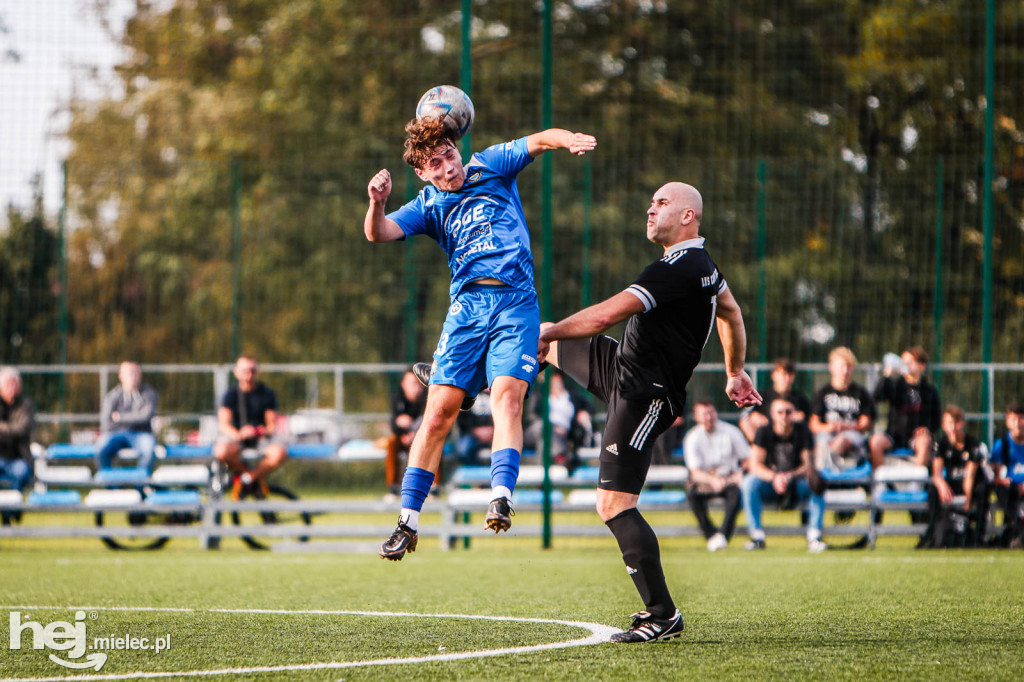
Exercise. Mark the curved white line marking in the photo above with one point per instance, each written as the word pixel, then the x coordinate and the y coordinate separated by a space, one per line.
pixel 599 634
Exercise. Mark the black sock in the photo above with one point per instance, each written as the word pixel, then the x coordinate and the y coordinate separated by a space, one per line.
pixel 640 551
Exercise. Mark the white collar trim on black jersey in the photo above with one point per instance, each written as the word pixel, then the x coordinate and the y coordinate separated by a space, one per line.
pixel 695 243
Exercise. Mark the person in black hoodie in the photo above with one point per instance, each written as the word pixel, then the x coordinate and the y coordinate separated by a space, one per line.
pixel 915 412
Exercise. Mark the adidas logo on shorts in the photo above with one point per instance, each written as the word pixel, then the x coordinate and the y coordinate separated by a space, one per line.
pixel 613 448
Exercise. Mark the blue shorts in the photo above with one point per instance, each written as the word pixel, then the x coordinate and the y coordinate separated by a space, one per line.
pixel 490 331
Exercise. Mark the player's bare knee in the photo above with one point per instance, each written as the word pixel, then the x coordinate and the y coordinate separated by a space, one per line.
pixel 439 420
pixel 508 408
pixel 226 452
pixel 878 444
pixel 276 455
pixel 611 504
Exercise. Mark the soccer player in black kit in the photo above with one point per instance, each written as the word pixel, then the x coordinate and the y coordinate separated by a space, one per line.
pixel 672 308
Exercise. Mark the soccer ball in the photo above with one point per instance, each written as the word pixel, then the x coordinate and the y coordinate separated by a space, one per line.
pixel 449 103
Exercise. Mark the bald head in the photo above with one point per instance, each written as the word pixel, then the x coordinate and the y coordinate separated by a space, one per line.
pixel 675 214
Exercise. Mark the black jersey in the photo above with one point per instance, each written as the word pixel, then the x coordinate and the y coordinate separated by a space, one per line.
pixel 249 408
pixel 833 405
pixel 413 409
pixel 955 458
pixel 662 345
pixel 910 406
pixel 783 453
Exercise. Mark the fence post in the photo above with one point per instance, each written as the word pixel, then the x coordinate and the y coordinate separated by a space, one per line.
pixel 990 409
pixel 62 300
pixel 236 258
pixel 588 229
pixel 339 405
pixel 762 254
pixel 937 295
pixel 986 210
pixel 466 67
pixel 546 266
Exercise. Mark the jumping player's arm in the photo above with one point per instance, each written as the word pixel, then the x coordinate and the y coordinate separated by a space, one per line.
pixel 376 226
pixel 558 138
pixel 733 335
pixel 588 322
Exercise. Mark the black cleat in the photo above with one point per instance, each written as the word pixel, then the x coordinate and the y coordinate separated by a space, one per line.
pixel 647 628
pixel 499 515
pixel 422 371
pixel 401 541
pixel 754 545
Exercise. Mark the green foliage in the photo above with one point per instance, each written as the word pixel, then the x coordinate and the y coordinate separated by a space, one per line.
pixel 850 105
pixel 28 288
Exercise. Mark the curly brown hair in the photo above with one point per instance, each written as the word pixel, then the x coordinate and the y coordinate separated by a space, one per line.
pixel 422 138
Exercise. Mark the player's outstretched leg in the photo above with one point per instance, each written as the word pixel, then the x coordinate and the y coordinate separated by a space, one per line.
pixel 415 488
pixel 504 472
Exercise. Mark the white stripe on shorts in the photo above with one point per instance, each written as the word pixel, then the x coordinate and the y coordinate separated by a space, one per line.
pixel 644 430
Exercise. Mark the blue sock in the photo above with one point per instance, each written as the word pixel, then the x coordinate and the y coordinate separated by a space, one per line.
pixel 505 468
pixel 415 487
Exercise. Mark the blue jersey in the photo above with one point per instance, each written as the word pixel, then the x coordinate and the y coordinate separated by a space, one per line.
pixel 1012 460
pixel 481 226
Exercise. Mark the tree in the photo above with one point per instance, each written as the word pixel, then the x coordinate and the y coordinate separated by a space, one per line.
pixel 28 288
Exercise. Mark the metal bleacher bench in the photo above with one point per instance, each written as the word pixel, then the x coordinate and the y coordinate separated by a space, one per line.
pixel 181 481
pixel 664 491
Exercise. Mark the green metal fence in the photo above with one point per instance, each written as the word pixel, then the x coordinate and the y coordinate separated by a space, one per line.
pixel 862 165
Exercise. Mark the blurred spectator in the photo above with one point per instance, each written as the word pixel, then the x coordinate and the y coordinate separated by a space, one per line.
pixel 842 412
pixel 406 413
pixel 476 430
pixel 957 471
pixel 783 376
pixel 1008 462
pixel 714 451
pixel 670 442
pixel 248 418
pixel 914 409
pixel 572 425
pixel 780 468
pixel 17 417
pixel 126 419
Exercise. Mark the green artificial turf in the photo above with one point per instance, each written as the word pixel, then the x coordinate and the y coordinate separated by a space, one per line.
pixel 892 613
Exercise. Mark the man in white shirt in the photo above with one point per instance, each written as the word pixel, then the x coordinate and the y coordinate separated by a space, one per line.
pixel 714 451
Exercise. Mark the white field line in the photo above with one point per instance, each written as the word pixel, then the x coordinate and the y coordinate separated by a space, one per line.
pixel 599 634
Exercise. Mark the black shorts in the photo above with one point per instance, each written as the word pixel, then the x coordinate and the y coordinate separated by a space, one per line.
pixel 632 426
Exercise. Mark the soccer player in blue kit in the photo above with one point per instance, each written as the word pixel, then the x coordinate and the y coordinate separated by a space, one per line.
pixel 490 335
